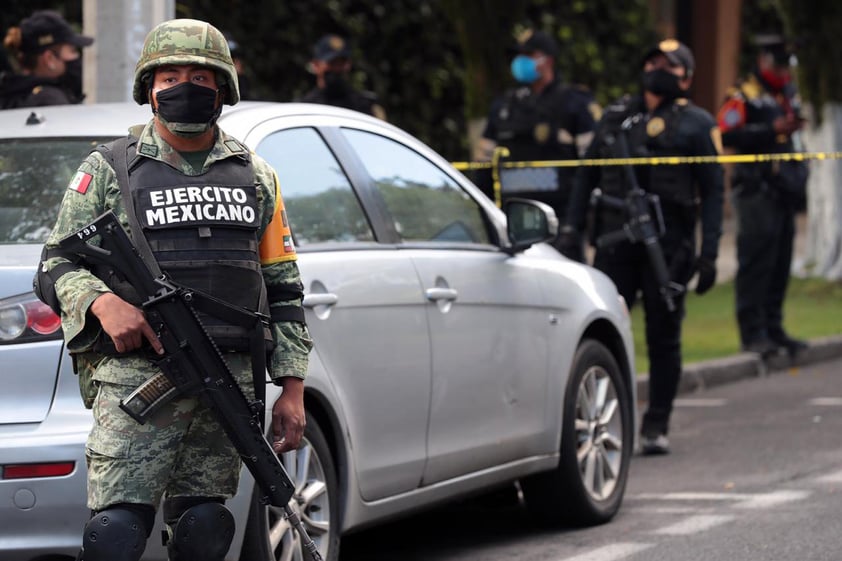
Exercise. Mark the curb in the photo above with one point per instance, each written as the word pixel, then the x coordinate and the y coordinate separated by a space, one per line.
pixel 697 376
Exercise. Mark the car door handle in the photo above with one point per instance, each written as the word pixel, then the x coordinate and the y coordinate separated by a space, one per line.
pixel 323 299
pixel 436 294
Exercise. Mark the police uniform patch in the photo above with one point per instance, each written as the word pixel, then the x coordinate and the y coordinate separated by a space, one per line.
pixel 234 146
pixel 288 245
pixel 541 132
pixel 337 43
pixel 148 150
pixel 655 126
pixel 80 182
pixel 732 114
pixel 668 45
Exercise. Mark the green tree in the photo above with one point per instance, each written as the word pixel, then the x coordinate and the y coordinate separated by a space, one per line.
pixel 815 28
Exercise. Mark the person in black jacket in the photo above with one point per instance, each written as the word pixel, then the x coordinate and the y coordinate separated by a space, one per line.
pixel 542 118
pixel 761 116
pixel 660 122
pixel 331 64
pixel 46 49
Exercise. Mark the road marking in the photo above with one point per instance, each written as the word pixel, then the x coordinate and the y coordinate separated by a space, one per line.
pixel 700 402
pixel 826 401
pixel 612 552
pixel 766 500
pixel 663 509
pixel 831 478
pixel 694 496
pixel 694 524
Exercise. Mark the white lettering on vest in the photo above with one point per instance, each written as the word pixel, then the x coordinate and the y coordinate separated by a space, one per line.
pixel 196 204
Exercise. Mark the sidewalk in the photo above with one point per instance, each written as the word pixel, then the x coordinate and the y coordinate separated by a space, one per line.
pixel 700 375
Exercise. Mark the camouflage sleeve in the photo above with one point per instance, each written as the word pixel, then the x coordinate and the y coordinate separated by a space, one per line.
pixel 86 198
pixel 282 277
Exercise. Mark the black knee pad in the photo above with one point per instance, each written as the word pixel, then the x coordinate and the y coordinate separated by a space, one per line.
pixel 117 533
pixel 203 532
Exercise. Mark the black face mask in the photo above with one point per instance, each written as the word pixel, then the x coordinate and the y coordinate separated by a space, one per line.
pixel 72 77
pixel 187 109
pixel 663 83
pixel 336 84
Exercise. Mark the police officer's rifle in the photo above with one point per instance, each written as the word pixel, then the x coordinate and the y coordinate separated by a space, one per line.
pixel 645 220
pixel 191 364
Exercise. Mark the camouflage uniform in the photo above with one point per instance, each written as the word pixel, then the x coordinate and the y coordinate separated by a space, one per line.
pixel 182 450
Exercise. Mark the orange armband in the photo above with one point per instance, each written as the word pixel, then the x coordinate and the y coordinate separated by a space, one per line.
pixel 277 245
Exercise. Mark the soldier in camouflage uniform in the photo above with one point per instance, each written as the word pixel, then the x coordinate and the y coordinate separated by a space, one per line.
pixel 181 455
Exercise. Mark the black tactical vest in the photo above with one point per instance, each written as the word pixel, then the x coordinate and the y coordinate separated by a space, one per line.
pixel 202 231
pixel 657 135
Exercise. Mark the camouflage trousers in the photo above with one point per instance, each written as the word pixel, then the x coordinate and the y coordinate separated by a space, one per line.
pixel 181 450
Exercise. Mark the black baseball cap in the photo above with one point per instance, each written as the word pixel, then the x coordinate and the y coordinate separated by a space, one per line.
pixel 775 44
pixel 676 52
pixel 46 28
pixel 331 46
pixel 533 40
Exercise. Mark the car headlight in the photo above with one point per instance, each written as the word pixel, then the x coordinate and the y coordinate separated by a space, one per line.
pixel 24 319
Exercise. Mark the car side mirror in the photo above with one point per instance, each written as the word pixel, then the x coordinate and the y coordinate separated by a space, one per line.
pixel 529 222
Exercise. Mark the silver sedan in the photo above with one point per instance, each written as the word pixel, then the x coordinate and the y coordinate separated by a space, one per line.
pixel 454 350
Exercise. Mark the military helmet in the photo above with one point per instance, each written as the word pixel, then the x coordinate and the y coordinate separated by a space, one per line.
pixel 185 41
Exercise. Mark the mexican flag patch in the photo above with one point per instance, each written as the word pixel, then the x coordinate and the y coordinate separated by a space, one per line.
pixel 80 182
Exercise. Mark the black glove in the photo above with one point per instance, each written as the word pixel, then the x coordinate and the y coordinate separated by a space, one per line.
pixel 569 243
pixel 706 269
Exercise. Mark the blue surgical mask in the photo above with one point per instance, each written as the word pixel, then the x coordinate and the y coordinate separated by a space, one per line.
pixel 525 69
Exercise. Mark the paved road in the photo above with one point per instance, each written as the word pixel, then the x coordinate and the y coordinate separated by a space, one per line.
pixel 755 474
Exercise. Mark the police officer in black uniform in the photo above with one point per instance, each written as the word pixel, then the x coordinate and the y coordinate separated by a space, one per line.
pixel 541 119
pixel 47 52
pixel 660 122
pixel 760 116
pixel 331 65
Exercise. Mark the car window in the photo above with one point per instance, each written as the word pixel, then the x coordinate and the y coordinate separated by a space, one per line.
pixel 320 203
pixel 425 203
pixel 34 175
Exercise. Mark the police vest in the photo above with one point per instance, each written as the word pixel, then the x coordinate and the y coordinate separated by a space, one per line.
pixel 653 137
pixel 530 125
pixel 202 230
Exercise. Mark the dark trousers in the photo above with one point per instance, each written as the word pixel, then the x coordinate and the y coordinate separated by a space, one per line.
pixel 628 266
pixel 765 234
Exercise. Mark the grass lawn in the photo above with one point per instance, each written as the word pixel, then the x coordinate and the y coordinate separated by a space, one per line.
pixel 813 308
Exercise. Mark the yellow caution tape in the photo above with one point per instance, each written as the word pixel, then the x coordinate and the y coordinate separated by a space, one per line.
pixel 654 161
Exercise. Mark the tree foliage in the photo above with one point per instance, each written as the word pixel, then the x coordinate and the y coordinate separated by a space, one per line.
pixel 815 26
pixel 434 64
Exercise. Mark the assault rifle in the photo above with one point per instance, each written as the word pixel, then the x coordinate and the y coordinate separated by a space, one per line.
pixel 191 364
pixel 645 221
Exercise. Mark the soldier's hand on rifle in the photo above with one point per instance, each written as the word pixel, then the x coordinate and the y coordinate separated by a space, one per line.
pixel 124 323
pixel 706 270
pixel 288 418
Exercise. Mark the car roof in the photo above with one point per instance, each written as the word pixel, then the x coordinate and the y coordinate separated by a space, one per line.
pixel 114 119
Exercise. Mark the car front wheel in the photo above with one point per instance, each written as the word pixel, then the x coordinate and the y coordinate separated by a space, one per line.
pixel 270 536
pixel 596 443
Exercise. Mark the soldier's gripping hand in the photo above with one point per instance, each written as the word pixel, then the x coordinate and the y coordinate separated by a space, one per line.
pixel 570 244
pixel 124 323
pixel 288 418
pixel 706 270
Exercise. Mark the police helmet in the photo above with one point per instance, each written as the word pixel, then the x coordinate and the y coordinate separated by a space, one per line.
pixel 186 41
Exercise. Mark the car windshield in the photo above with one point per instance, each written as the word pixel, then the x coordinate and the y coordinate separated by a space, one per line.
pixel 34 174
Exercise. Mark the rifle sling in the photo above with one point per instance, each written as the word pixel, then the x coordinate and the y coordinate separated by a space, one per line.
pixel 118 155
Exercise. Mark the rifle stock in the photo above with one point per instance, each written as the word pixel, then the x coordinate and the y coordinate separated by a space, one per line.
pixel 191 364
